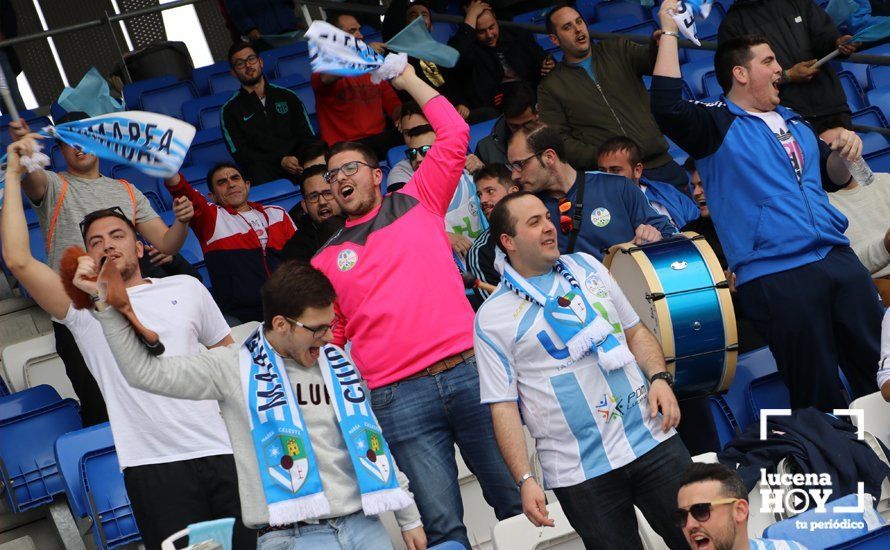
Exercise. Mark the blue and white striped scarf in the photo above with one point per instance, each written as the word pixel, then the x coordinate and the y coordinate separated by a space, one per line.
pixel 287 464
pixel 571 317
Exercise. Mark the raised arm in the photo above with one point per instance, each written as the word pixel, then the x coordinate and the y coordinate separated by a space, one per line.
pixel 33 183
pixel 204 220
pixel 169 239
pixel 437 178
pixel 208 375
pixel 39 279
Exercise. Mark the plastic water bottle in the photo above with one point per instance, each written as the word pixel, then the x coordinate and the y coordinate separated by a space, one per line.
pixel 860 171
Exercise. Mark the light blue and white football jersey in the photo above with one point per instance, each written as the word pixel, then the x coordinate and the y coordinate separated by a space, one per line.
pixel 768 544
pixel 585 421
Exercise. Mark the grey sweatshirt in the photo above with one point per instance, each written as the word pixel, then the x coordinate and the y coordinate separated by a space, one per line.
pixel 215 374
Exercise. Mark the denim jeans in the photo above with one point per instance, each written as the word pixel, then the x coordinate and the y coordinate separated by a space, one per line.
pixel 353 532
pixel 601 509
pixel 422 419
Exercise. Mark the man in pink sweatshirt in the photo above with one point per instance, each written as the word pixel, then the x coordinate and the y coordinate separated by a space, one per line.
pixel 401 303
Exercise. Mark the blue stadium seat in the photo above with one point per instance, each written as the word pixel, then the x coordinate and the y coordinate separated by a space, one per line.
pixel 35 122
pixel 706 29
pixel 294 65
pixel 751 366
pixel 883 49
pixel 38 244
pixel 614 24
pixel 201 75
pixel 168 100
pixel 859 70
pixel 109 506
pixel 694 73
pixel 270 57
pixel 30 473
pixel 532 17
pixel 28 399
pixel 768 392
pixel 479 131
pixel 855 96
pixel 724 421
pixel 196 175
pixel 300 87
pixel 151 187
pixel 879 161
pixel 57 161
pixel 133 92
pixel 872 142
pixel 203 112
pixel 191 249
pixel 878 76
pixel 674 150
pixel 879 98
pixel 693 54
pixel 606 11
pixel 223 83
pixel 543 40
pixel 273 191
pixel 70 450
pixel 645 28
pixel 710 85
pixel 208 148
pixel 587 9
pixel 879 539
pixel 870 116
pixel 397 154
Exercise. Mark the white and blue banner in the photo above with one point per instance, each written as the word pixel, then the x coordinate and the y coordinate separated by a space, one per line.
pixel 333 51
pixel 685 17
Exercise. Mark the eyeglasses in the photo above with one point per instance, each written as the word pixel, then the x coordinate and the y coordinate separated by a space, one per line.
pixel 701 511
pixel 412 153
pixel 566 223
pixel 519 164
pixel 348 169
pixel 317 332
pixel 114 211
pixel 313 198
pixel 251 59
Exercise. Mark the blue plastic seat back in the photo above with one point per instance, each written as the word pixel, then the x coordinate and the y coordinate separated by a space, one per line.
pixel 872 142
pixel 196 175
pixel 479 131
pixel 169 99
pixel 606 11
pixel 879 161
pixel 396 155
pixel 209 149
pixel 201 76
pixel 854 93
pixel 768 392
pixel 614 24
pixel 880 98
pixel 270 57
pixel 587 9
pixel 751 365
pixel 133 92
pixel 870 116
pixel 203 112
pixel 879 539
pixel 70 449
pixel 35 122
pixel 296 65
pixel 109 506
pixel 273 191
pixel 29 469
pixel 29 399
pixel 442 31
pixel 38 244
pixel 694 73
pixel 710 85
pixel 223 83
pixel 531 17
pixel 724 421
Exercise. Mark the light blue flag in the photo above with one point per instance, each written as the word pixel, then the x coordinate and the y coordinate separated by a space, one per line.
pixel 416 41
pixel 873 33
pixel 91 96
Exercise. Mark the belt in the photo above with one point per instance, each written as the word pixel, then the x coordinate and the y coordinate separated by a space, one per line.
pixel 272 528
pixel 445 364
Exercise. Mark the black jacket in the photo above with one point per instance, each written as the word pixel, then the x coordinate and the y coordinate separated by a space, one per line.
pixel 309 236
pixel 493 148
pixel 259 137
pixel 818 443
pixel 798 30
pixel 478 71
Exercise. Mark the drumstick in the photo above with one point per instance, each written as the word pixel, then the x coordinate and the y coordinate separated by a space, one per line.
pixel 7 98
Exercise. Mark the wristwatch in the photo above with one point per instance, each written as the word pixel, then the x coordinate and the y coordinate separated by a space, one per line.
pixel 524 478
pixel 664 375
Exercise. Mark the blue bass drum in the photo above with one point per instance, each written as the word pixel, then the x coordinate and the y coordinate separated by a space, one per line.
pixel 678 289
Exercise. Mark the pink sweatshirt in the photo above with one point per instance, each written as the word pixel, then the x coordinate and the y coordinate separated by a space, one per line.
pixel 400 298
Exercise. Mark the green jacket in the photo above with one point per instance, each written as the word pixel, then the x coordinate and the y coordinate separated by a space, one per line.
pixel 587 113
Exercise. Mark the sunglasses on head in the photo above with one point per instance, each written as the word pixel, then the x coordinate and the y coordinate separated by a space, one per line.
pixel 412 153
pixel 114 211
pixel 701 511
pixel 566 224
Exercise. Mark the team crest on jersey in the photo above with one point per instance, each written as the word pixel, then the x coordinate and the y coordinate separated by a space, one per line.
pixel 281 107
pixel 346 259
pixel 595 286
pixel 600 217
pixel 610 407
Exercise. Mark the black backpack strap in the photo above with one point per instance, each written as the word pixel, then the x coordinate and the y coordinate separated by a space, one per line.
pixel 576 216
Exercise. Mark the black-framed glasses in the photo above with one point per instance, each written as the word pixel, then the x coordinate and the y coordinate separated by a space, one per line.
pixel 348 169
pixel 315 196
pixel 114 211
pixel 412 153
pixel 519 164
pixel 317 332
pixel 250 59
pixel 700 511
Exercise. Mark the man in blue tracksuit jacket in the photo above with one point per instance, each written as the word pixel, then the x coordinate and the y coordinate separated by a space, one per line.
pixel 613 209
pixel 764 170
pixel 620 155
